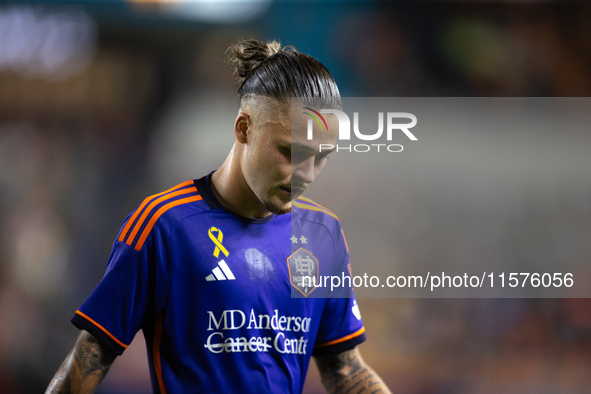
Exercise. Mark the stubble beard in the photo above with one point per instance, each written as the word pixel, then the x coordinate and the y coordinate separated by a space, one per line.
pixel 277 209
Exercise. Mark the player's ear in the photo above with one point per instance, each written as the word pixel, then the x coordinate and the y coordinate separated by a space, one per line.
pixel 241 126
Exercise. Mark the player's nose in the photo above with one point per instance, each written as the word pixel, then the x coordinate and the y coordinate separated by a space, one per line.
pixel 304 171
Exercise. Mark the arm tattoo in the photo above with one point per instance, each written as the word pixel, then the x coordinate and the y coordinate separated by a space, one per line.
pixel 346 372
pixel 84 368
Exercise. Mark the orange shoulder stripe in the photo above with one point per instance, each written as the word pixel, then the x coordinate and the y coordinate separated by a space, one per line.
pixel 144 203
pixel 343 339
pixel 103 329
pixel 306 199
pixel 150 207
pixel 159 213
pixel 314 208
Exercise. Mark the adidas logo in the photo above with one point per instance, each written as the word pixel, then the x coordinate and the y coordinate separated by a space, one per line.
pixel 218 274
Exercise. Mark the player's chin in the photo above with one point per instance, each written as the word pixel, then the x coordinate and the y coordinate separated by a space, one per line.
pixel 278 208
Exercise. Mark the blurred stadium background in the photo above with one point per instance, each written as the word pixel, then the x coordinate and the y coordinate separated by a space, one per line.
pixel 105 102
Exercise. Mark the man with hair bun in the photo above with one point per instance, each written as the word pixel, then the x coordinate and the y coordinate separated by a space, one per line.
pixel 214 271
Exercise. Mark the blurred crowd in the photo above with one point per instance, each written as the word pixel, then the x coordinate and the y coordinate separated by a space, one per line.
pixel 101 107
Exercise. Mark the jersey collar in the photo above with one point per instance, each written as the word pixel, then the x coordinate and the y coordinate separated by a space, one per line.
pixel 203 185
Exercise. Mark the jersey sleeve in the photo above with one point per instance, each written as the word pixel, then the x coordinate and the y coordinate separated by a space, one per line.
pixel 341 327
pixel 133 290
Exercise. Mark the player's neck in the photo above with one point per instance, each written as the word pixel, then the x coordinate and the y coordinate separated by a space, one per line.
pixel 231 190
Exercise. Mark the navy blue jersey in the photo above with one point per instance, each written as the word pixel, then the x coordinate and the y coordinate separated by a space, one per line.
pixel 225 302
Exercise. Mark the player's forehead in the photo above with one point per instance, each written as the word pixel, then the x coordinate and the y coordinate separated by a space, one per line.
pixel 288 122
pixel 311 127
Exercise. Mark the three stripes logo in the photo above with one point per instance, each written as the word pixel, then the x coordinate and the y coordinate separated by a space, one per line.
pixel 221 272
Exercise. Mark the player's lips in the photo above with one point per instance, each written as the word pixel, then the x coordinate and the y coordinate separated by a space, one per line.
pixel 286 191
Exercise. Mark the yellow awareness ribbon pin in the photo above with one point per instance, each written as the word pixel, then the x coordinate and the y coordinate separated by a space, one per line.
pixel 218 242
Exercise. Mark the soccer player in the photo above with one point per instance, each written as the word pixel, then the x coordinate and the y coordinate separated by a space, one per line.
pixel 214 271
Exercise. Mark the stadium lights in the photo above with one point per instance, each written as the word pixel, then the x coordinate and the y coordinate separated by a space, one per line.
pixel 214 11
pixel 47 44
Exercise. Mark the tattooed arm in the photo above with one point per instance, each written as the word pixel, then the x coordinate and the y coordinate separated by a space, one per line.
pixel 84 368
pixel 346 372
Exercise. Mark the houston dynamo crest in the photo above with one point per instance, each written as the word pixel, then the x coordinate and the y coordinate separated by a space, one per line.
pixel 303 271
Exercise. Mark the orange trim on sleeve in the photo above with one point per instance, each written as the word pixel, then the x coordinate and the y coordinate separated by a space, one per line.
pixel 159 213
pixel 314 208
pixel 343 339
pixel 144 203
pixel 103 329
pixel 156 352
